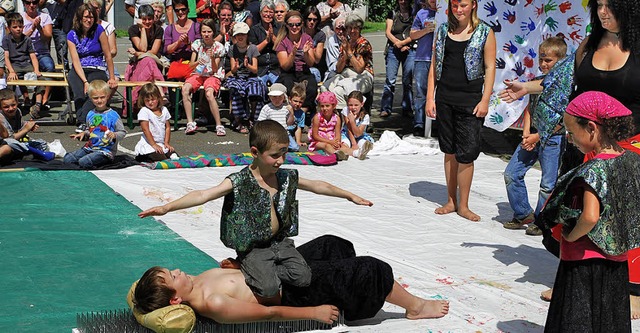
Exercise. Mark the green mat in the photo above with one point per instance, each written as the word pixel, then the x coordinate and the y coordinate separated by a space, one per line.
pixel 70 244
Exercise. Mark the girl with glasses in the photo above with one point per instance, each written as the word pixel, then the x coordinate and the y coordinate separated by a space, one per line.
pixel 296 55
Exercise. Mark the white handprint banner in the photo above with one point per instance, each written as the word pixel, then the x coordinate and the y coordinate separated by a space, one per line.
pixel 520 26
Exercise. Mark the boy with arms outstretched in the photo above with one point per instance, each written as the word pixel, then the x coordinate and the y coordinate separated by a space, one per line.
pixel 260 212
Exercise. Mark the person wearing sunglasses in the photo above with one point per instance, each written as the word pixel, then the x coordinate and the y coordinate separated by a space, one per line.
pixel 296 55
pixel 311 19
pixel 39 27
pixel 177 41
pixel 333 47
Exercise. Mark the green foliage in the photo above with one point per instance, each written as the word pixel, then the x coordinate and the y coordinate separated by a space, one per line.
pixel 373 26
pixel 301 4
pixel 378 9
pixel 122 33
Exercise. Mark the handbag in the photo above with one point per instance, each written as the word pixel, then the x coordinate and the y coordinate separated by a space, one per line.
pixel 179 70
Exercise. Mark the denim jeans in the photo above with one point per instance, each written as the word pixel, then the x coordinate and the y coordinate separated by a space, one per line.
pixel 269 77
pixel 393 61
pixel 46 63
pixel 86 158
pixel 60 42
pixel 420 75
pixel 549 156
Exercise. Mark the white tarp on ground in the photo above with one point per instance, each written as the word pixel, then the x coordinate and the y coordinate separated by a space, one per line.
pixel 492 276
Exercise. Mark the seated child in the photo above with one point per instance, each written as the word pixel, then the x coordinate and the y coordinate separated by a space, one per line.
pixel 278 110
pixel 17 140
pixel 246 89
pixel 205 57
pixel 543 139
pixel 354 131
pixel 249 222
pixel 156 126
pixel 20 58
pixel 296 99
pixel 104 130
pixel 325 127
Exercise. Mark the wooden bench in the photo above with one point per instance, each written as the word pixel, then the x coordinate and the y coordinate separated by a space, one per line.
pixel 67 115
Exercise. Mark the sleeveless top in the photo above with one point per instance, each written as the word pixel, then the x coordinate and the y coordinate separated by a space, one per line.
pixel 623 84
pixel 473 53
pixel 246 212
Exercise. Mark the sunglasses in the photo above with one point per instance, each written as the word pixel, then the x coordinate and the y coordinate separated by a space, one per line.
pixel 291 25
pixel 312 19
pixel 31 3
pixel 340 27
pixel 281 11
pixel 181 10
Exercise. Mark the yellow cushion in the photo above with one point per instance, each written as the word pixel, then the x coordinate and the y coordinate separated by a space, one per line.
pixel 177 318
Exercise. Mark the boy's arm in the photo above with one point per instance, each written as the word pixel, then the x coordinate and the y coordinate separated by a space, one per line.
pixel 225 309
pixel 290 117
pixel 193 198
pixel 324 188
pixel 526 129
pixel 35 63
pixel 7 63
pixel 119 130
pixel 26 128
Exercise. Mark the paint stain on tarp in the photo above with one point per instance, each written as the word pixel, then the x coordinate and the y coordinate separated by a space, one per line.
pixel 490 283
pixel 446 280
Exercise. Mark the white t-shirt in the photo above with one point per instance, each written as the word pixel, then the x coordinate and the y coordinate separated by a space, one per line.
pixel 108 27
pixel 269 111
pixel 157 126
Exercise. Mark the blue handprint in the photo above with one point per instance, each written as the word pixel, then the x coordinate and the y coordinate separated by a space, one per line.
pixel 509 47
pixel 527 27
pixel 497 26
pixel 532 53
pixel 509 16
pixel 519 69
pixel 491 8
pixel 551 23
pixel 500 63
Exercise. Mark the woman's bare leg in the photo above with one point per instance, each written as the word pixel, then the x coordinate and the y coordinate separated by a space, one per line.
pixel 465 177
pixel 416 307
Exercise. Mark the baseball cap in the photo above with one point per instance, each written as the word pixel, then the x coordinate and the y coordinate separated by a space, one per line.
pixel 277 89
pixel 240 28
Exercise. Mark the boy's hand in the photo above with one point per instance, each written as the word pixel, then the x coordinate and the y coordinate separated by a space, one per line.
pixel 154 211
pixel 514 91
pixel 78 136
pixel 38 73
pixel 326 314
pixel 31 125
pixel 12 76
pixel 360 201
pixel 529 141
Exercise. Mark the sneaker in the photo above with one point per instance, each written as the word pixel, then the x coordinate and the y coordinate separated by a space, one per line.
pixel 191 128
pixel 533 230
pixel 366 147
pixel 34 111
pixel 418 132
pixel 341 156
pixel 519 224
pixel 81 128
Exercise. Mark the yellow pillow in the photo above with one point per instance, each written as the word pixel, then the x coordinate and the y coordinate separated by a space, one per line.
pixel 177 318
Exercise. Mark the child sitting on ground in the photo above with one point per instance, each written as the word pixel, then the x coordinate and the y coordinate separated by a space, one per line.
pixel 156 128
pixel 20 58
pixel 354 132
pixel 246 89
pixel 278 110
pixel 325 127
pixel 104 131
pixel 597 206
pixel 204 60
pixel 260 212
pixel 296 99
pixel 543 137
pixel 17 140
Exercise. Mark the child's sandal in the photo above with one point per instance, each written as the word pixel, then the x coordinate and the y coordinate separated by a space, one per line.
pixel 220 131
pixel 243 129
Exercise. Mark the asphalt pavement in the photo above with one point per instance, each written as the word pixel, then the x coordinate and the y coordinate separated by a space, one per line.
pixel 205 140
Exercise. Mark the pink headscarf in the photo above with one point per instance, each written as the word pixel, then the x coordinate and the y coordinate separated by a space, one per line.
pixel 327 97
pixel 596 106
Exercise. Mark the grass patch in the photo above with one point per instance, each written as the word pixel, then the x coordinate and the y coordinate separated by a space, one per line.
pixel 373 27
pixel 122 33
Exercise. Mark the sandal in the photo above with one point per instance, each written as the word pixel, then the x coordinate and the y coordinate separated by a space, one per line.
pixel 220 131
pixel 243 129
pixel 385 114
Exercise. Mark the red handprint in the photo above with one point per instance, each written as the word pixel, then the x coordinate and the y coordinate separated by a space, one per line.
pixel 564 6
pixel 574 20
pixel 540 10
pixel 575 36
pixel 528 62
pixel 528 3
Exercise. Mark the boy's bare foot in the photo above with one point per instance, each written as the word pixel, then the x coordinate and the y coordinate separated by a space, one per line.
pixel 446 209
pixel 546 295
pixel 429 309
pixel 230 263
pixel 468 214
pixel 635 307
